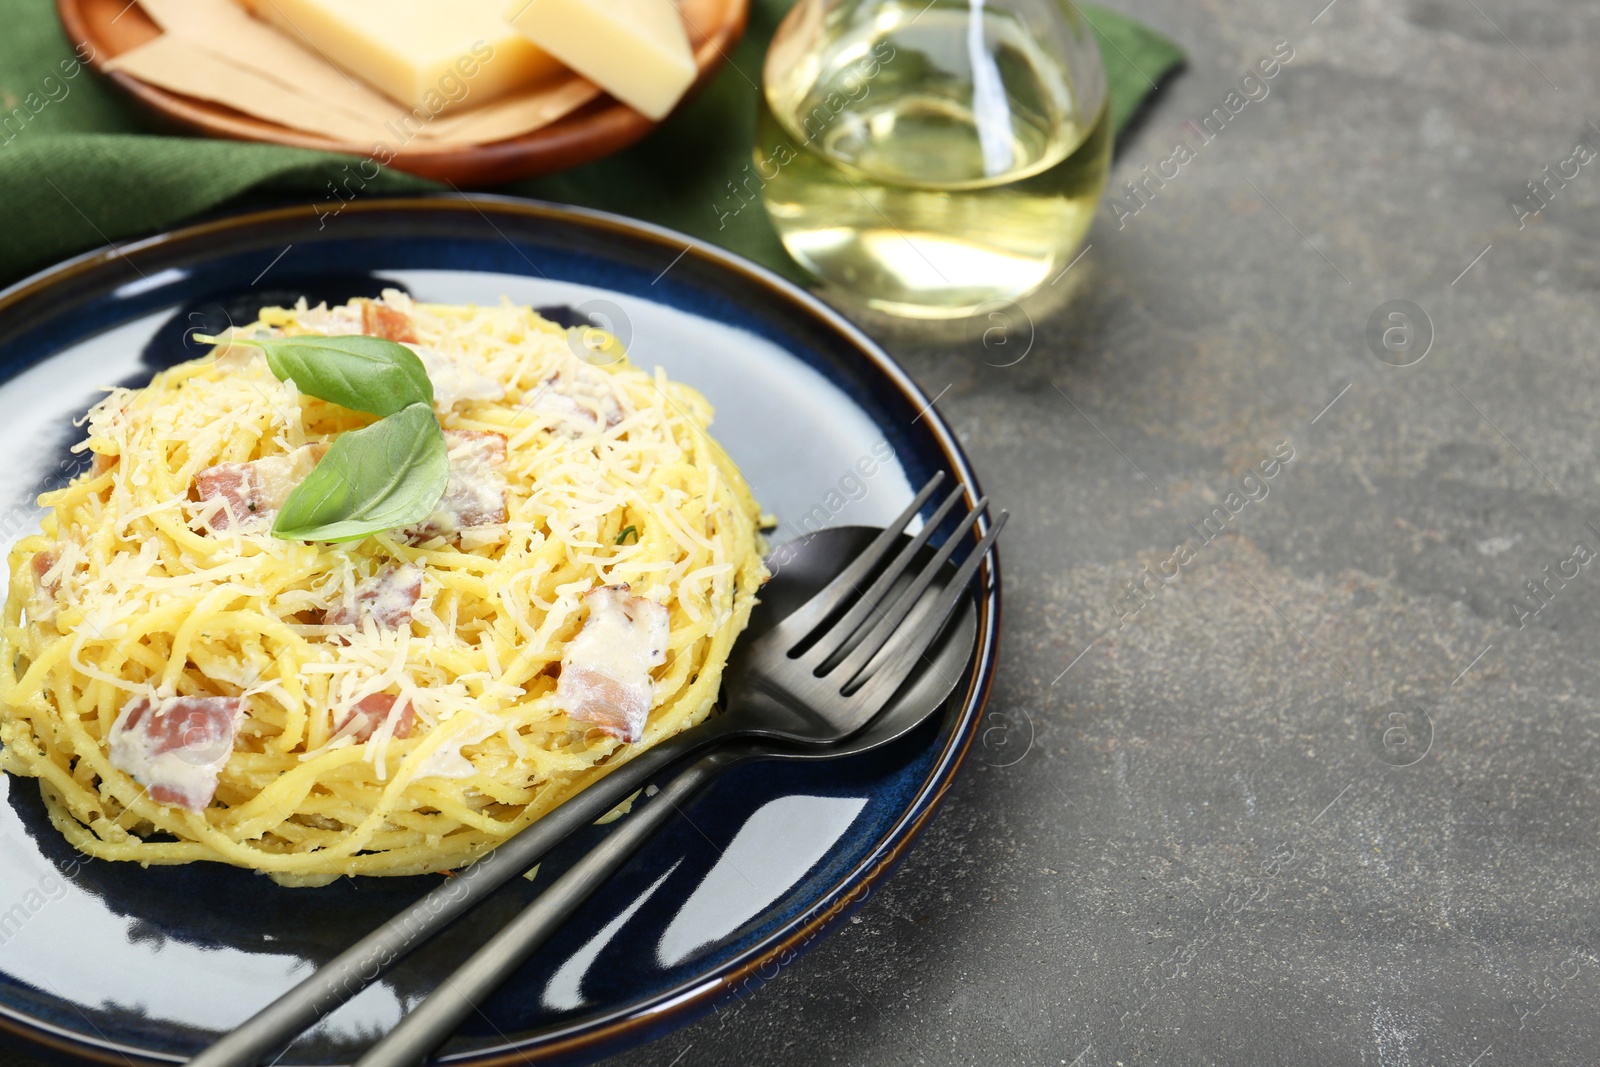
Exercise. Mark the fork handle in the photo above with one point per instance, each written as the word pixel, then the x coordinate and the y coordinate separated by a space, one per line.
pixel 428 1025
pixel 364 962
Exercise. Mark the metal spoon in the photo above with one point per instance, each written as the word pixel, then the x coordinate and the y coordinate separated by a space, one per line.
pixel 364 962
pixel 427 1026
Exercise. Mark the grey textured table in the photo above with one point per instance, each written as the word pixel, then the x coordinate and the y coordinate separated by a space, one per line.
pixel 1329 795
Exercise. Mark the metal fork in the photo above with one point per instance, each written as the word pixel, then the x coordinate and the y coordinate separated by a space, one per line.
pixel 817 678
pixel 821 675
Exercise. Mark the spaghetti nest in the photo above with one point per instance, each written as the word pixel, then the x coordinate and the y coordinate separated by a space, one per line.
pixel 135 593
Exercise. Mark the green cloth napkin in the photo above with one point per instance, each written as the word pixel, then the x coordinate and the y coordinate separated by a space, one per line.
pixel 82 165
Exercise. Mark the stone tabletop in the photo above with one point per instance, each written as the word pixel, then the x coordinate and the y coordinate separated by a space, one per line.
pixel 1292 756
pixel 1322 788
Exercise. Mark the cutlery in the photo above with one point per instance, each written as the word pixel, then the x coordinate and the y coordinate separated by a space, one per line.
pixel 814 679
pixel 918 614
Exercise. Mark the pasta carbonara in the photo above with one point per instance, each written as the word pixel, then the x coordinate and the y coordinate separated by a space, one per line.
pixel 187 686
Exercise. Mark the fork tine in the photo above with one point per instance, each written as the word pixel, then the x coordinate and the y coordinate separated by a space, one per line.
pixel 824 654
pixel 862 653
pixel 815 611
pixel 909 647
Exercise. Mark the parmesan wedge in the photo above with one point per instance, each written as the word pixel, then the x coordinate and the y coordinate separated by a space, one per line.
pixel 636 50
pixel 426 54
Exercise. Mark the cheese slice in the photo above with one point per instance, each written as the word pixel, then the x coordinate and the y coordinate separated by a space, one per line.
pixel 427 54
pixel 636 50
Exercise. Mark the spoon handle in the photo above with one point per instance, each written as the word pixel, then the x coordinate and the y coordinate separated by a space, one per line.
pixel 428 1025
pixel 358 966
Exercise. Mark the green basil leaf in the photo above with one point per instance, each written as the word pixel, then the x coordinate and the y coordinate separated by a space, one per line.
pixel 389 474
pixel 361 373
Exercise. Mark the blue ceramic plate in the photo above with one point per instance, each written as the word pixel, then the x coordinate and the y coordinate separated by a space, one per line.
pixel 113 963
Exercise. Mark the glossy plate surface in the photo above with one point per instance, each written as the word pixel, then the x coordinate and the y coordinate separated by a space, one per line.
pixel 113 963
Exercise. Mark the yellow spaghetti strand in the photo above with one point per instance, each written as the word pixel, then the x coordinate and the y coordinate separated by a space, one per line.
pixel 128 593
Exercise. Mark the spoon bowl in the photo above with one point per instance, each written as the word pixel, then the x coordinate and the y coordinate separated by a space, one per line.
pixel 897 600
pixel 806 570
pixel 801 569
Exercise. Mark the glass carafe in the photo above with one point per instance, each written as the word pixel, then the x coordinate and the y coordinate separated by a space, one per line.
pixel 929 159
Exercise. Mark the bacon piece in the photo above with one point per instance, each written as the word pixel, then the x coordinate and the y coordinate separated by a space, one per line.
pixel 476 492
pixel 176 747
pixel 581 397
pixel 605 674
pixel 254 491
pixel 370 712
pixel 387 596
pixel 238 485
pixel 44 562
pixel 42 601
pixel 380 320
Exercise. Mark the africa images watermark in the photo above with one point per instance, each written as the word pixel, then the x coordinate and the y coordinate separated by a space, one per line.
pixel 851 486
pixel 1218 918
pixel 52 90
pixel 853 89
pixel 1542 593
pixel 769 970
pixel 1252 88
pixel 49 888
pixel 1542 191
pixel 1143 588
pixel 453 87
pixel 24 515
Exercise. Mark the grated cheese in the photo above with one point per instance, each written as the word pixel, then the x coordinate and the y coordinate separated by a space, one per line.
pixel 140 591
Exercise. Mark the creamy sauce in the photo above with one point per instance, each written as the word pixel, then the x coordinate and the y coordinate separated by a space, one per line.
pixel 453 381
pixel 176 747
pixel 581 398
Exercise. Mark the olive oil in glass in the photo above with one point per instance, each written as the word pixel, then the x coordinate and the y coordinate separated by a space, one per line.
pixel 931 159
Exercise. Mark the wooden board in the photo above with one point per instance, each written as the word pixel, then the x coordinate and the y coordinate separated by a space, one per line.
pixel 595 130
